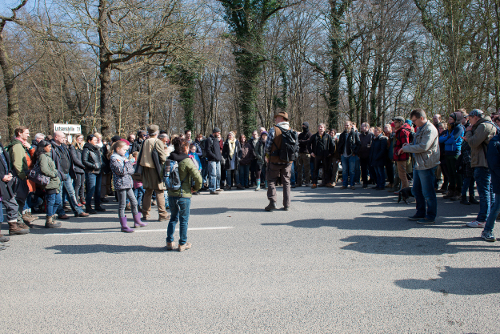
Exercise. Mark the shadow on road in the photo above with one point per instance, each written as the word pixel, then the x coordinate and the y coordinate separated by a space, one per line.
pixel 414 245
pixel 102 248
pixel 457 281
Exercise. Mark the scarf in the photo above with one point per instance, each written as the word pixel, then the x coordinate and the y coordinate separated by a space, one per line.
pixel 232 147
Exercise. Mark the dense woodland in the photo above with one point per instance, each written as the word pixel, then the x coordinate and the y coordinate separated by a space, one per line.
pixel 117 65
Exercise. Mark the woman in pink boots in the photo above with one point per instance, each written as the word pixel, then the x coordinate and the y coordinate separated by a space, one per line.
pixel 123 169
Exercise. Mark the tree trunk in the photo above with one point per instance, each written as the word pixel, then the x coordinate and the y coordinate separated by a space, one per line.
pixel 10 86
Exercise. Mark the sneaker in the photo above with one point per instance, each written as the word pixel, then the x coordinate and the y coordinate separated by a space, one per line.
pixel 415 218
pixel 488 236
pixel 475 223
pixel 425 221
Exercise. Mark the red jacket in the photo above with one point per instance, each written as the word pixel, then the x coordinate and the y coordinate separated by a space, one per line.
pixel 402 137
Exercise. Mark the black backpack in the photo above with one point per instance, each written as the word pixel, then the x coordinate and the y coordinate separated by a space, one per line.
pixel 289 145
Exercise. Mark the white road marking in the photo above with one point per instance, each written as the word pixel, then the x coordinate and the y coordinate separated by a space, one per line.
pixel 141 231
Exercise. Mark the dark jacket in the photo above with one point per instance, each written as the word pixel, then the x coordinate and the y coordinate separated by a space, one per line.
pixel 304 143
pixel 378 151
pixel 212 148
pixel 5 187
pixel 260 153
pixel 136 146
pixel 247 154
pixel 236 155
pixel 322 146
pixel 365 142
pixel 57 153
pixel 199 150
pixel 493 158
pixel 106 168
pixel 77 166
pixel 91 158
pixel 351 140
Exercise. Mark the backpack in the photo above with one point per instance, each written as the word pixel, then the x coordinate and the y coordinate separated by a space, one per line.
pixel 172 178
pixel 289 145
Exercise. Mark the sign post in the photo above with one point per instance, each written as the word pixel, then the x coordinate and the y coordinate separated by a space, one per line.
pixel 69 129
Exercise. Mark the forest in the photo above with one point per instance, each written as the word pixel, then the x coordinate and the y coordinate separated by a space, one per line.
pixel 115 66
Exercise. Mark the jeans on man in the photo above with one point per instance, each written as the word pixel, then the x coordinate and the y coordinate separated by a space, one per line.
pixel 244 175
pixel 348 170
pixel 67 188
pixel 468 185
pixel 139 194
pixel 494 211
pixel 483 181
pixel 214 175
pixel 357 171
pixel 380 172
pixel 424 192
pixel 179 209
pixel 93 186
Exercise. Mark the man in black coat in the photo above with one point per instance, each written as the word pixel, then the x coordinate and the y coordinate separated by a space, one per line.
pixel 322 148
pixel 304 160
pixel 365 140
pixel 349 144
pixel 214 157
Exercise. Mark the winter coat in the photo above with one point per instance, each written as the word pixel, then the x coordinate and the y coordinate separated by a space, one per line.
pixel 187 174
pixel 304 143
pixel 390 146
pixel 322 146
pixel 260 153
pixel 136 146
pixel 152 158
pixel 48 168
pixel 106 169
pixel 351 140
pixel 122 172
pixel 463 161
pixel 425 147
pixel 378 151
pixel 493 158
pixel 478 139
pixel 452 141
pixel 77 166
pixel 402 137
pixel 20 158
pixel 236 155
pixel 91 158
pixel 247 154
pixel 6 190
pixel 365 142
pixel 212 149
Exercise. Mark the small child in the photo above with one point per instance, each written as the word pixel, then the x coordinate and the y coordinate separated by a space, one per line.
pixel 123 169
pixel 196 161
pixel 138 188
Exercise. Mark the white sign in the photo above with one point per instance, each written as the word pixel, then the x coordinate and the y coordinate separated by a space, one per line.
pixel 68 128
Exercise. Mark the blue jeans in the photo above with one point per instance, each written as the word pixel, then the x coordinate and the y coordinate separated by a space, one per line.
pixel 179 210
pixel 93 186
pixel 348 170
pixel 204 170
pixel 483 181
pixel 139 194
pixel 244 175
pixel 69 191
pixel 229 178
pixel 494 211
pixel 293 176
pixel 468 184
pixel 380 172
pixel 213 175
pixel 357 170
pixel 53 203
pixel 424 192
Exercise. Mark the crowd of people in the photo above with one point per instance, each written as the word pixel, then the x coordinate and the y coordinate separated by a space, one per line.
pixel 52 176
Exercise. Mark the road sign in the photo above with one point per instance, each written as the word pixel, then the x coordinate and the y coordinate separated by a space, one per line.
pixel 68 128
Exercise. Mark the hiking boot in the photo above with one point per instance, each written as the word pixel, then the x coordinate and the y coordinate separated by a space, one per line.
pixel 27 218
pixel 464 200
pixel 476 224
pixel 271 206
pixel 171 246
pixel 164 218
pixel 488 236
pixel 314 186
pixel 4 238
pixel 182 248
pixel 473 200
pixel 450 194
pixel 65 216
pixel 456 196
pixel 50 222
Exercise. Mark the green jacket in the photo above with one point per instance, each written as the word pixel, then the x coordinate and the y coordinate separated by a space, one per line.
pixel 18 159
pixel 187 172
pixel 48 168
pixel 478 140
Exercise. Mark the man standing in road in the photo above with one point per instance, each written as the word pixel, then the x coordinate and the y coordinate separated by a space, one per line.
pixel 425 149
pixel 304 161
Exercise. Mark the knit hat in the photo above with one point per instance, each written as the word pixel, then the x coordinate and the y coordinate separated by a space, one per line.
pixel 153 129
pixel 476 112
pixel 264 133
pixel 216 129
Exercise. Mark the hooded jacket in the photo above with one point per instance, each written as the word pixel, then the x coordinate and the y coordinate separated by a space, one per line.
pixel 48 168
pixel 478 139
pixel 212 149
pixel 304 136
pixel 378 151
pixel 187 174
pixel 453 140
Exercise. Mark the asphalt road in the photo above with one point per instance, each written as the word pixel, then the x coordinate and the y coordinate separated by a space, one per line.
pixel 340 261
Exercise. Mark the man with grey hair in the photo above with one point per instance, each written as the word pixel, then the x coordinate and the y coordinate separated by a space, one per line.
pixel 151 161
pixel 62 160
pixel 164 138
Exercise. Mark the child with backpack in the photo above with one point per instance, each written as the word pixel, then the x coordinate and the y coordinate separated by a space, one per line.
pixel 179 179
pixel 123 169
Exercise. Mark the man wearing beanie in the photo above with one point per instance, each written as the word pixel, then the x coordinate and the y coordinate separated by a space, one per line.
pixel 304 160
pixel 152 159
